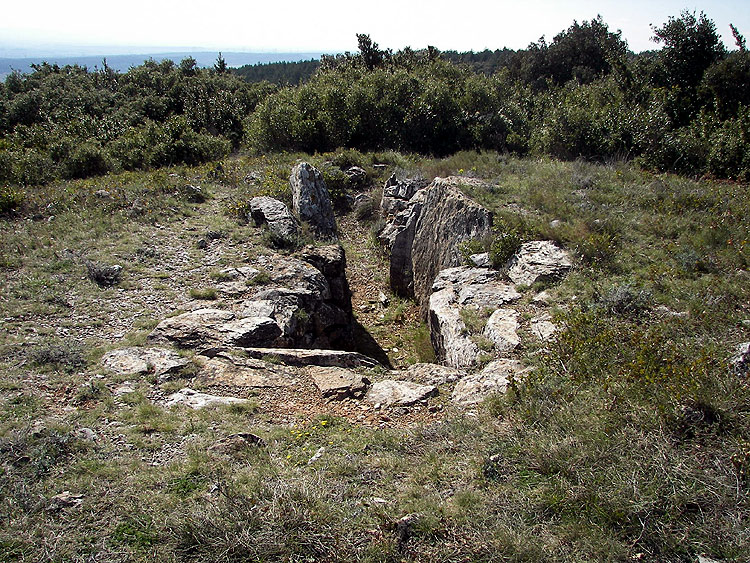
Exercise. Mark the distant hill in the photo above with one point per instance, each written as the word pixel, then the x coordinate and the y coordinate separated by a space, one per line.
pixel 123 62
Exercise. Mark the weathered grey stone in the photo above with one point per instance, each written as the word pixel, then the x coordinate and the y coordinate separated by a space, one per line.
pixel 314 357
pixel 539 260
pixel 311 200
pixel 448 332
pixel 215 327
pixel 282 225
pixel 501 329
pixel 454 289
pixel 398 393
pixel 140 361
pixel 492 379
pixel 330 261
pixel 235 444
pixel 396 194
pixel 357 175
pixel 196 400
pixel 338 382
pixel 238 370
pixel 740 363
pixel 481 260
pixel 543 328
pixel 432 374
pixel 424 238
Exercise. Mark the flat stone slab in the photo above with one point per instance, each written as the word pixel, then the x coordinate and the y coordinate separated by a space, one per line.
pixel 141 361
pixel 492 379
pixel 398 393
pixel 431 374
pixel 238 370
pixel 313 357
pixel 196 400
pixel 211 327
pixel 338 382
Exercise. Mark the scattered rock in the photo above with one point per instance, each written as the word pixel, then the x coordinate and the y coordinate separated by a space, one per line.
pixel 236 444
pixel 539 260
pixel 432 374
pixel 317 455
pixel 86 434
pixel 337 382
pixel 740 363
pixel 282 225
pixel 398 393
pixel 141 361
pixel 311 200
pixel 196 400
pixel 543 328
pixel 357 175
pixel 123 389
pixel 66 499
pixel 542 298
pixel 492 379
pixel 501 329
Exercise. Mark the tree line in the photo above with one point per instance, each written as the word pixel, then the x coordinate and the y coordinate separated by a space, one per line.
pixel 682 108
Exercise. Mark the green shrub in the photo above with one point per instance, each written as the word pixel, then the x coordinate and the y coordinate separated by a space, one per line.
pixel 10 199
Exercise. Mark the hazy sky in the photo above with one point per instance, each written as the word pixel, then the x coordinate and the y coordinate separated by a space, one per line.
pixel 331 25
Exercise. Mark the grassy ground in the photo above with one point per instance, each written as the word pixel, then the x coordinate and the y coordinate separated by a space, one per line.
pixel 630 441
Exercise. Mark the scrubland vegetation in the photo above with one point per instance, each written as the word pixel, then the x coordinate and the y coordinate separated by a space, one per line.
pixel 629 440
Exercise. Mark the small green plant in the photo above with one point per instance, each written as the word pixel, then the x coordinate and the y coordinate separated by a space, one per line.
pixel 204 293
pixel 261 278
pixel 473 320
pixel 136 532
pixel 503 246
pixel 65 355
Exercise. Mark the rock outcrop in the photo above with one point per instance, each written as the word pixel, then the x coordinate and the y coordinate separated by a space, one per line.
pixel 196 400
pixel 282 225
pixel 311 200
pixel 426 231
pixel 338 383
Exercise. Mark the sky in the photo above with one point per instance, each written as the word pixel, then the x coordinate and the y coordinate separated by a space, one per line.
pixel 331 25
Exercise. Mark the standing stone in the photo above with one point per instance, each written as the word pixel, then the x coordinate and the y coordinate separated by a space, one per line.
pixel 311 200
pixel 425 236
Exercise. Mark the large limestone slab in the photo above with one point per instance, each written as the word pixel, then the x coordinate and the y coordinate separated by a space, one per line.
pixel 425 236
pixel 313 357
pixel 197 400
pixel 215 327
pixel 141 361
pixel 398 393
pixel 539 260
pixel 239 370
pixel 311 200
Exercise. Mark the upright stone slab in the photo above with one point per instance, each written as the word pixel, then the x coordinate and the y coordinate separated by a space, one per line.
pixel 311 200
